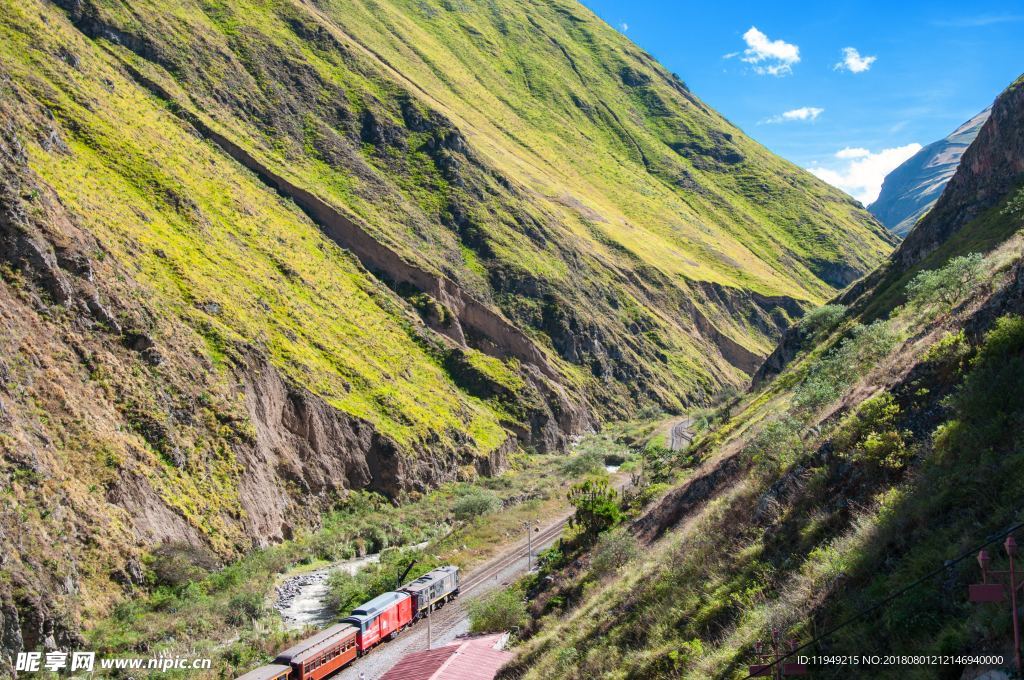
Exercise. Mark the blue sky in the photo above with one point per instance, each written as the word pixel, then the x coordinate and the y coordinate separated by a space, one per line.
pixel 918 71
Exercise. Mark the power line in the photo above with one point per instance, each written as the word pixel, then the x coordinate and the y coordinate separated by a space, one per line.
pixel 899 593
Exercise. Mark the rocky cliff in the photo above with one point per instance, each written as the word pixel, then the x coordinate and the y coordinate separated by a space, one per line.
pixel 986 178
pixel 910 190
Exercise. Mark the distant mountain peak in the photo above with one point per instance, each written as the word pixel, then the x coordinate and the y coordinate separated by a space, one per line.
pixel 910 190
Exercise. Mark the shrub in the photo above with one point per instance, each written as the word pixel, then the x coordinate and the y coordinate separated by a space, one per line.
pixel 474 505
pixel 830 375
pixel 871 434
pixel 244 607
pixel 1014 206
pixel 988 403
pixel 596 506
pixel 660 463
pixel 583 464
pixel 822 320
pixel 777 445
pixel 948 285
pixel 175 564
pixel 949 354
pixel 614 550
pixel 499 611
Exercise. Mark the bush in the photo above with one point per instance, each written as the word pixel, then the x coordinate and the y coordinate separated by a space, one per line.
pixel 474 505
pixel 822 320
pixel 661 463
pixel 176 564
pixel 244 607
pixel 831 374
pixel 583 464
pixel 871 434
pixel 948 285
pixel 988 403
pixel 777 445
pixel 614 550
pixel 503 610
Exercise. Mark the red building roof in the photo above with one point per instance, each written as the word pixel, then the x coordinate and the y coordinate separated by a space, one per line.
pixel 473 659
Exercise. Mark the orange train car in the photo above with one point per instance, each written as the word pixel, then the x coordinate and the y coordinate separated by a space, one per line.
pixel 322 654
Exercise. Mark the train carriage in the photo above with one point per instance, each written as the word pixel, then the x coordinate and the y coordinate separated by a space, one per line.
pixel 322 654
pixel 271 672
pixel 433 589
pixel 381 618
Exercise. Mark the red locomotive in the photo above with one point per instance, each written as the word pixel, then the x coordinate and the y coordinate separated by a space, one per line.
pixel 382 618
pixel 371 623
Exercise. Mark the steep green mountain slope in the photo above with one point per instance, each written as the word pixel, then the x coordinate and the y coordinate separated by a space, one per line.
pixel 256 254
pixel 841 505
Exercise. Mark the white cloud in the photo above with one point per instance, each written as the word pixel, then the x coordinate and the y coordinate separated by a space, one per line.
pixel 852 152
pixel 853 62
pixel 804 113
pixel 624 26
pixel 862 172
pixel 770 57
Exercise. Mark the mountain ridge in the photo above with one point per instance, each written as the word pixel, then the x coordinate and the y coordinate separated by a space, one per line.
pixel 909 191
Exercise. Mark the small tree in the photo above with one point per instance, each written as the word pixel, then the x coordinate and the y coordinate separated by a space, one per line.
pixel 596 506
pixel 474 505
pixel 614 549
pixel 946 286
pixel 822 320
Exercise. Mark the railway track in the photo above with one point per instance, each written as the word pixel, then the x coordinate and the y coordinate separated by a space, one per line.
pixel 452 614
pixel 445 622
pixel 681 434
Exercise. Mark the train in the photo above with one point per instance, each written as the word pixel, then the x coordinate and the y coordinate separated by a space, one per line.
pixel 369 624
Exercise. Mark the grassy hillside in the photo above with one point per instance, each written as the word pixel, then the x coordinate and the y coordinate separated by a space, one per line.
pixel 843 503
pixel 256 255
pixel 530 153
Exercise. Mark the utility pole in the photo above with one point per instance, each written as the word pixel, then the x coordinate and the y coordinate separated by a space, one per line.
pixel 529 546
pixel 428 626
pixel 995 590
pixel 770 662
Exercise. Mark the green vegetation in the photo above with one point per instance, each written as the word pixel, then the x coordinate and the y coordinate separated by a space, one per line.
pixel 613 550
pixel 880 453
pixel 474 504
pixel 530 154
pixel 502 610
pixel 821 321
pixel 828 376
pixel 871 435
pixel 597 508
pixel 947 286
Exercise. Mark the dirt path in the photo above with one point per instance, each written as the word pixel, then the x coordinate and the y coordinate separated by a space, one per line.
pixel 681 434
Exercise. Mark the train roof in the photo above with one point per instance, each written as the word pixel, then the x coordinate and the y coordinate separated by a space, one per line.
pixel 428 578
pixel 377 604
pixel 266 672
pixel 315 650
pixel 331 634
